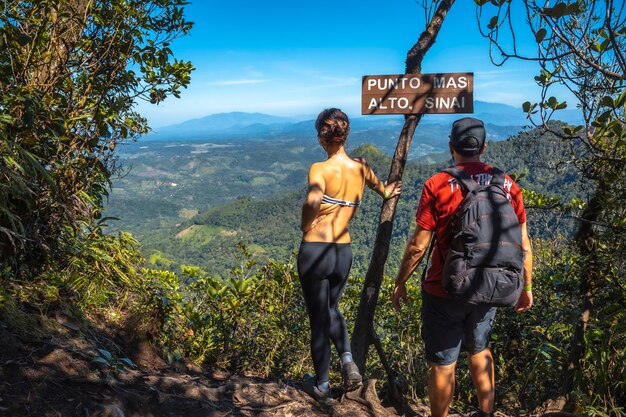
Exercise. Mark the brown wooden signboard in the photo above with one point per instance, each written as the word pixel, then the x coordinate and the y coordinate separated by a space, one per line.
pixel 418 93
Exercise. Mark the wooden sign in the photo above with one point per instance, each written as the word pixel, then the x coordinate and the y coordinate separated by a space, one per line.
pixel 418 93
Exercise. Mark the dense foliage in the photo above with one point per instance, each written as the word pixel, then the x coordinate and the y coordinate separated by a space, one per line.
pixel 70 75
pixel 580 47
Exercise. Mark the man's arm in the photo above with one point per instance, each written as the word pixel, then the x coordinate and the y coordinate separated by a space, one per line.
pixel 526 298
pixel 413 254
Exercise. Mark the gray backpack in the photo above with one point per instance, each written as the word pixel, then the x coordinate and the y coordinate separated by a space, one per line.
pixel 485 263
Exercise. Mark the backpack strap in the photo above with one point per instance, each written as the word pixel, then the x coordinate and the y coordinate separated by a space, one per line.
pixel 462 177
pixel 433 242
pixel 498 177
pixel 468 182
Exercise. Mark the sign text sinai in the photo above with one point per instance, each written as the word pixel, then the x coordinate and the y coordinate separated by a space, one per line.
pixel 418 93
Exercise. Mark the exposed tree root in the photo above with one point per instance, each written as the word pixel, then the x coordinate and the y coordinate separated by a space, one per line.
pixel 368 396
pixel 394 393
pixel 558 414
pixel 553 407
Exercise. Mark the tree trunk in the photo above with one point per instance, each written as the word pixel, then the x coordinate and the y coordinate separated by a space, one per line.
pixel 64 35
pixel 364 324
pixel 587 242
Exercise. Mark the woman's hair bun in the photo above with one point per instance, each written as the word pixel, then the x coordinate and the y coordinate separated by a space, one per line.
pixel 332 126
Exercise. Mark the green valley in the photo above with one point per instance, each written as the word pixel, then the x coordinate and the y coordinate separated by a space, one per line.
pixel 191 203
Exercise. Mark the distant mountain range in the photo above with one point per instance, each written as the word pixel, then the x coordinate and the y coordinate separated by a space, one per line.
pixel 236 125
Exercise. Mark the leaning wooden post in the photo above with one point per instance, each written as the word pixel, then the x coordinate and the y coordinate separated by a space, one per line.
pixel 363 335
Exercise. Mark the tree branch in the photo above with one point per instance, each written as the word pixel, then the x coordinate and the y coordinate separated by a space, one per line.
pixel 361 336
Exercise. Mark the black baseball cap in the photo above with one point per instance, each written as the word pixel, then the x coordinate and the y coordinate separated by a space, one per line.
pixel 468 136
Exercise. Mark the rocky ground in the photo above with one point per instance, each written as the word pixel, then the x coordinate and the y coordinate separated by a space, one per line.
pixel 52 365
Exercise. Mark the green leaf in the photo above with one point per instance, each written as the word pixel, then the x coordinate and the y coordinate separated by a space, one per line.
pixel 540 35
pixel 6 119
pixel 105 354
pixel 38 167
pixel 9 161
pixel 602 118
pixel 605 45
pixel 573 8
pixel 543 78
pixel 621 100
pixel 545 354
pixel 128 362
pixel 572 130
pixel 101 360
pixel 552 102
pixel 608 102
pixel 559 10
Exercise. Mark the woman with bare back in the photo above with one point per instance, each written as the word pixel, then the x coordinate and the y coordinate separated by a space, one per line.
pixel 325 257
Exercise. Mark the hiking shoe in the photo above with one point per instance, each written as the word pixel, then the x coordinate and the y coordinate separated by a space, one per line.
pixel 351 377
pixel 481 413
pixel 309 385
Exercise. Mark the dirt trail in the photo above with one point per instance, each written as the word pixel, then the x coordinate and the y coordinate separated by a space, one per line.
pixel 55 371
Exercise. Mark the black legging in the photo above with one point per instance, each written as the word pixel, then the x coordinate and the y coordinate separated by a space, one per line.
pixel 323 270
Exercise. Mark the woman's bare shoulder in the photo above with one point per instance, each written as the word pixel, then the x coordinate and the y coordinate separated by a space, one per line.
pixel 316 166
pixel 359 162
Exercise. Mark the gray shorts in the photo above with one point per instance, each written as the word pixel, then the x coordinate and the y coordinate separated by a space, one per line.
pixel 451 325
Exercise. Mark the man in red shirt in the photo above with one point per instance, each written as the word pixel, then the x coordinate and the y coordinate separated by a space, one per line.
pixel 451 325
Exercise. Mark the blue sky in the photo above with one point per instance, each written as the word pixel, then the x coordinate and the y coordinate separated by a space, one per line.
pixel 295 58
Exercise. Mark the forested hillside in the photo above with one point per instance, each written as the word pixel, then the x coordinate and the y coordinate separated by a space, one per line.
pixel 268 224
pixel 162 183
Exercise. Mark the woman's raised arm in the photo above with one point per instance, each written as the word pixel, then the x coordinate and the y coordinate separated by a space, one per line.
pixel 383 189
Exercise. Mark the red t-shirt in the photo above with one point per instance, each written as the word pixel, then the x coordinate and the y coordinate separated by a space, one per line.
pixel 440 198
